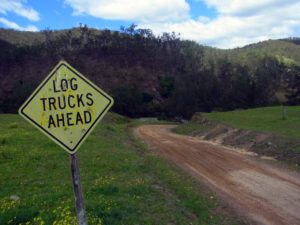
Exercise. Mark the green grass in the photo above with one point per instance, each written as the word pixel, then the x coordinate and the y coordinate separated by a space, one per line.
pixel 123 182
pixel 267 119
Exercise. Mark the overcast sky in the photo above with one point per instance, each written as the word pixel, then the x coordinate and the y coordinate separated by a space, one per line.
pixel 218 23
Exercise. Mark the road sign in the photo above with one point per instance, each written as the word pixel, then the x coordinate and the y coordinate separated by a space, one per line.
pixel 66 107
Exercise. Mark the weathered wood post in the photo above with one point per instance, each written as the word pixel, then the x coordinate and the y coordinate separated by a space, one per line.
pixel 79 202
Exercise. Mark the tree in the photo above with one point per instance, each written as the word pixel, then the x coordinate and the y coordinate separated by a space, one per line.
pixel 131 101
pixel 293 87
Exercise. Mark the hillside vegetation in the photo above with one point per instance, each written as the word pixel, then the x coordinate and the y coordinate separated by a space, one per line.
pixel 149 75
pixel 285 50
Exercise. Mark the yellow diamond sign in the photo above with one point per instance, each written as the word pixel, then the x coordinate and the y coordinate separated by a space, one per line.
pixel 66 107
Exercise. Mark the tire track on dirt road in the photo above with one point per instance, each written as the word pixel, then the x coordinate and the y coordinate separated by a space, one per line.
pixel 263 193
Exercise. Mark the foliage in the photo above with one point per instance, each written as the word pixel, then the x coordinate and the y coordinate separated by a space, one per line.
pixel 148 75
pixel 166 86
pixel 132 101
pixel 293 86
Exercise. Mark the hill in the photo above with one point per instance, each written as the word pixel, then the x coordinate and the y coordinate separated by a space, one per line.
pixel 149 75
pixel 285 50
pixel 29 38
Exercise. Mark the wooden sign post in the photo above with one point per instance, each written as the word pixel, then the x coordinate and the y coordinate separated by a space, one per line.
pixel 79 201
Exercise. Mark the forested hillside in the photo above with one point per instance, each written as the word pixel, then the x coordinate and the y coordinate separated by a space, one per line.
pixel 150 75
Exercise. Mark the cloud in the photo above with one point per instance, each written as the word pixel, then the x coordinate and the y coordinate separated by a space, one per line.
pixel 237 24
pixel 17 7
pixel 144 10
pixel 15 26
pixel 246 7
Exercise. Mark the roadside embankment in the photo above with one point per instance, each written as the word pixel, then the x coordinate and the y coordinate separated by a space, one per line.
pixel 265 144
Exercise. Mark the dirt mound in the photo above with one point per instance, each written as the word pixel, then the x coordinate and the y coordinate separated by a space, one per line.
pixel 263 143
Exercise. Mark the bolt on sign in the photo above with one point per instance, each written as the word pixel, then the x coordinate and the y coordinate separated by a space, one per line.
pixel 66 107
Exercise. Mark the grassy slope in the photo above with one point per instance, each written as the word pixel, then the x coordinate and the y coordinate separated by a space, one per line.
pixel 122 182
pixel 267 119
pixel 286 52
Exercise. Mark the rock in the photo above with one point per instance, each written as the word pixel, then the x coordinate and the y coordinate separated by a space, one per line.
pixel 14 197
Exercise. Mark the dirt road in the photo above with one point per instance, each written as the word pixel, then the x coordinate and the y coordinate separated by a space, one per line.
pixel 263 193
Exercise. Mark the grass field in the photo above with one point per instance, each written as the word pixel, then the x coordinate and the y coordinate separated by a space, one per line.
pixel 263 119
pixel 267 119
pixel 123 182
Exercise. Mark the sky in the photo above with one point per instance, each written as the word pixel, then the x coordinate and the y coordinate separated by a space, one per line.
pixel 217 23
